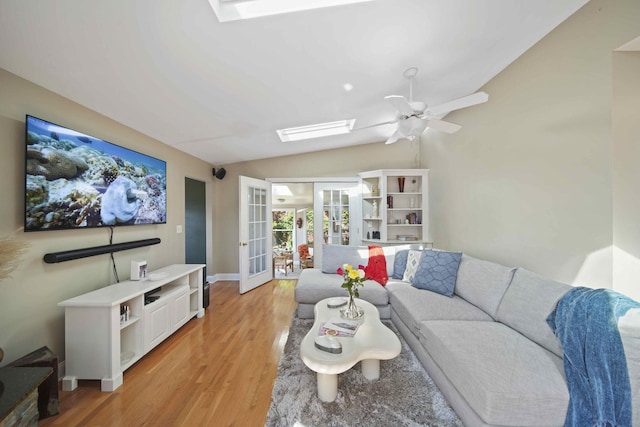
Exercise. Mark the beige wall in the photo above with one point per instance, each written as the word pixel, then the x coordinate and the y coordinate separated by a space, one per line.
pixel 528 181
pixel 29 316
pixel 345 162
pixel 626 172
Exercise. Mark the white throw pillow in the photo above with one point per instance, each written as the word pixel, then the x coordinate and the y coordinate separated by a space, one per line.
pixel 413 261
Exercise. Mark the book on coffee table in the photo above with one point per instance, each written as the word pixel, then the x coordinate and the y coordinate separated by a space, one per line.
pixel 339 328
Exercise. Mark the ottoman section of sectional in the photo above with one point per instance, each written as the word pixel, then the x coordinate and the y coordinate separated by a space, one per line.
pixel 314 285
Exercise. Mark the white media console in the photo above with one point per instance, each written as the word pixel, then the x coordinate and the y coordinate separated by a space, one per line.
pixel 99 345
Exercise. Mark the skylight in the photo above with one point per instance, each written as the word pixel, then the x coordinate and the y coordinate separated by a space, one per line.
pixel 232 10
pixel 281 190
pixel 316 131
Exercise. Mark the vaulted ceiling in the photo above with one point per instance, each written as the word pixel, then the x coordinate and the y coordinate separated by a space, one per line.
pixel 171 70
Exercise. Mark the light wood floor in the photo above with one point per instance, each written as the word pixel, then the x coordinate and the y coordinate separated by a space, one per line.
pixel 214 371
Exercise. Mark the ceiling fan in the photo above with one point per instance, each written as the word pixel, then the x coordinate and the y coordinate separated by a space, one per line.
pixel 413 117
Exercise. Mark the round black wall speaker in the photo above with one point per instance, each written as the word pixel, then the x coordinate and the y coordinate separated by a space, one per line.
pixel 220 173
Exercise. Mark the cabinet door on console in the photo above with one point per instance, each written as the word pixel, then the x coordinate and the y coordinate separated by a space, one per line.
pixel 182 308
pixel 156 326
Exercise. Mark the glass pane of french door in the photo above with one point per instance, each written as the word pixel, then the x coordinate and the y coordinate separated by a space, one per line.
pixel 336 211
pixel 335 218
pixel 255 233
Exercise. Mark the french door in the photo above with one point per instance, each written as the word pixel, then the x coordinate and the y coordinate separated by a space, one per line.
pixel 255 250
pixel 336 216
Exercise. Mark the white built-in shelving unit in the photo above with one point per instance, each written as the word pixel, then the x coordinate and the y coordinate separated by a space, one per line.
pixel 393 213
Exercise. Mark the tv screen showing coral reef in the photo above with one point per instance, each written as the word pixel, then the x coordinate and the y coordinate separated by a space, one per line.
pixel 74 180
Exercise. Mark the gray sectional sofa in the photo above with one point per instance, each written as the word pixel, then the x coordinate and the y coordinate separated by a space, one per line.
pixel 488 347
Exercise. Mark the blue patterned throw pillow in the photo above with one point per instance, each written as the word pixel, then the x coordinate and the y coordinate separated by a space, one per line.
pixel 437 271
pixel 400 263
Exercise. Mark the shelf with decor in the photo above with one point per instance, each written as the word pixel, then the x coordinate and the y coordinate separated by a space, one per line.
pixel 395 206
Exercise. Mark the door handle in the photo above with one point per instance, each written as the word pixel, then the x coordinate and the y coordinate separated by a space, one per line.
pixel 243 243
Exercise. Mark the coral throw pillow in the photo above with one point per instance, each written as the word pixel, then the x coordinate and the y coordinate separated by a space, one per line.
pixel 377 267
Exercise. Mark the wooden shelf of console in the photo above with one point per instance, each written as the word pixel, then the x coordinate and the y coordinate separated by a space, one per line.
pixel 99 346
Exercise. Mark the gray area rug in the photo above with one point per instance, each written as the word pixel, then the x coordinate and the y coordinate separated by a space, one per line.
pixel 404 395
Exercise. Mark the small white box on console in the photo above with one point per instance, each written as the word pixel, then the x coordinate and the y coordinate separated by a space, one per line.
pixel 138 270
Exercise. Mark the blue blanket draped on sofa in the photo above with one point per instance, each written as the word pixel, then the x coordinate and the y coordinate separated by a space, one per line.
pixel 586 323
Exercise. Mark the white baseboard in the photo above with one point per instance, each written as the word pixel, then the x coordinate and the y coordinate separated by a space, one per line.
pixel 223 276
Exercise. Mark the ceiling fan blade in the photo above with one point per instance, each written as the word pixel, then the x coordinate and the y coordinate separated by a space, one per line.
pixel 400 104
pixel 443 126
pixel 390 122
pixel 394 138
pixel 456 104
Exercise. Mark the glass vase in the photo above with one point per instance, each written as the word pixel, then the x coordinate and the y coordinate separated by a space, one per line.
pixel 352 311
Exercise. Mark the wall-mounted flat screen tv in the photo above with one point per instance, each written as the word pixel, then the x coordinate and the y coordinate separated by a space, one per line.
pixel 74 180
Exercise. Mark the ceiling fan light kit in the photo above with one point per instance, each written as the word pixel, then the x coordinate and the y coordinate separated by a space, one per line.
pixel 408 128
pixel 414 117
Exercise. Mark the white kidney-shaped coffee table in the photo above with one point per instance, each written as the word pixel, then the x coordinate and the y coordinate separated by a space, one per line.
pixel 372 342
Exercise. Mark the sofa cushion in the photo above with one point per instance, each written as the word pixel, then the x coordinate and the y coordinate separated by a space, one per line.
pixel 314 285
pixel 506 378
pixel 526 305
pixel 437 271
pixel 483 283
pixel 414 305
pixel 413 260
pixel 334 256
pixel 400 264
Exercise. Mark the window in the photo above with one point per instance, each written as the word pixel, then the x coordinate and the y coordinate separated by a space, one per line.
pixel 309 216
pixel 233 10
pixel 283 223
pixel 315 131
